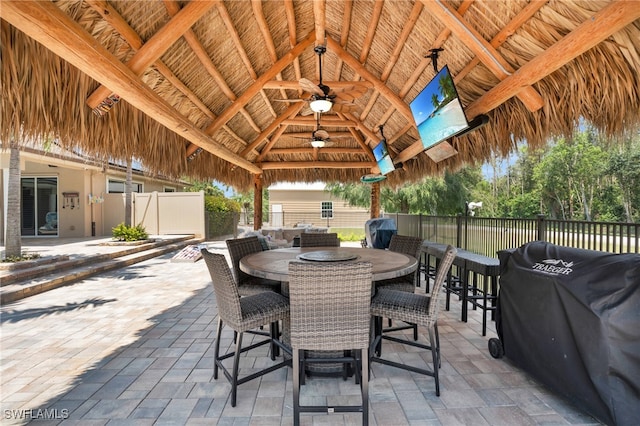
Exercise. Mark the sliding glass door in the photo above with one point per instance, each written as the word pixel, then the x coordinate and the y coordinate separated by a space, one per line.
pixel 39 206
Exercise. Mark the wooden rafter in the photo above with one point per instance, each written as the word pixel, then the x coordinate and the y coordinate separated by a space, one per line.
pixel 316 165
pixel 344 35
pixel 310 150
pixel 266 35
pixel 335 85
pixel 371 32
pixel 47 24
pixel 195 44
pixel 593 31
pixel 290 112
pixel 327 121
pixel 487 54
pixel 157 45
pixel 320 18
pixel 257 85
pixel 291 26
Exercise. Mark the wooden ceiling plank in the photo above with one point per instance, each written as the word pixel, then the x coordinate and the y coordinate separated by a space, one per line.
pixel 344 35
pixel 279 165
pixel 290 112
pixel 320 20
pixel 114 18
pixel 242 100
pixel 611 19
pixel 268 39
pixel 158 44
pixel 48 25
pixel 198 49
pixel 384 90
pixel 523 16
pixel 489 56
pixel 395 55
pixel 270 144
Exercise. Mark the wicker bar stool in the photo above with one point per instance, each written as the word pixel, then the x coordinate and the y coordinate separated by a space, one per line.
pixel 410 246
pixel 242 314
pixel 330 312
pixel 247 284
pixel 413 308
pixel 313 239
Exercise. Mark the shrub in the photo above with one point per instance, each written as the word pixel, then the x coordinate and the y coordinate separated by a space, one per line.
pixel 24 256
pixel 123 232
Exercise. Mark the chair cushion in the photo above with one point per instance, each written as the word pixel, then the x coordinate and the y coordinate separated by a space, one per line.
pixel 261 309
pixel 403 306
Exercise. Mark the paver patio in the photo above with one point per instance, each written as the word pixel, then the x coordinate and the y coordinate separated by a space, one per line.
pixel 135 346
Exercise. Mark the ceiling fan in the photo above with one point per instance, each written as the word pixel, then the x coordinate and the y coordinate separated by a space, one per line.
pixel 323 98
pixel 319 137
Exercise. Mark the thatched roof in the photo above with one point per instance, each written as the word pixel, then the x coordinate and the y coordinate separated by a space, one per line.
pixel 212 75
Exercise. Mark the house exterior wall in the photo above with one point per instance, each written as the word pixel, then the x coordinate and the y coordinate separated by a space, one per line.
pixel 85 179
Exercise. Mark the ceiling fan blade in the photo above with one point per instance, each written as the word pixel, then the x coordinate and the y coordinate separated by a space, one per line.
pixel 350 93
pixel 347 107
pixel 310 86
pixel 322 134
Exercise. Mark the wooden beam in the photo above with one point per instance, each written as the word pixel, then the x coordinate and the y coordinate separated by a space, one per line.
pixel 375 200
pixel 331 122
pixel 593 31
pixel 291 111
pixel 384 90
pixel 336 86
pixel 507 31
pixel 489 56
pixel 290 13
pixel 609 20
pixel 344 34
pixel 270 144
pixel 310 150
pixel 266 34
pixel 257 85
pixel 279 165
pixel 257 202
pixel 319 19
pixel 110 15
pixel 47 24
pixel 158 44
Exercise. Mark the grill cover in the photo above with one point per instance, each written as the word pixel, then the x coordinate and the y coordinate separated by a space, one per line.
pixel 378 232
pixel 571 318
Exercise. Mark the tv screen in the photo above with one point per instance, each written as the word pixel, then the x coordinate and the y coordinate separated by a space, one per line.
pixel 382 158
pixel 437 110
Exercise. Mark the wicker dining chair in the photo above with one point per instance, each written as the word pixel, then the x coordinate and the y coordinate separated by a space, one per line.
pixel 313 239
pixel 420 309
pixel 242 314
pixel 410 246
pixel 248 285
pixel 330 312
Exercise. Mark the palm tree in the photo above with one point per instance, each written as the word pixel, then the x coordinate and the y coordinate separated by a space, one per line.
pixel 13 242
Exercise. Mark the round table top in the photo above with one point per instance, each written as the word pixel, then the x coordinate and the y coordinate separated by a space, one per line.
pixel 274 264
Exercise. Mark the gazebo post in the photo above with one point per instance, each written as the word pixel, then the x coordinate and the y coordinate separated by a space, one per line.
pixel 257 202
pixel 375 200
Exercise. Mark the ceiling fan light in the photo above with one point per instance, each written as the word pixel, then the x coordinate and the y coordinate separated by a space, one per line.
pixel 320 105
pixel 317 143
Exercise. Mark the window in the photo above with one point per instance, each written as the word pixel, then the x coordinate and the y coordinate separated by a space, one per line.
pixel 169 189
pixel 326 210
pixel 117 186
pixel 39 209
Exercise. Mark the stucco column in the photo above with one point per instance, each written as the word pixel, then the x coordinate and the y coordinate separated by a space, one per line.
pixel 257 202
pixel 375 200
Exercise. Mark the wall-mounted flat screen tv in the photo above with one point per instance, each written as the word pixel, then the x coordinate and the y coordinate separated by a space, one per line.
pixel 383 159
pixel 437 110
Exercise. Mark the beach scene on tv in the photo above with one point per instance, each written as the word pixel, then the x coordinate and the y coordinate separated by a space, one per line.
pixel 437 110
pixel 382 157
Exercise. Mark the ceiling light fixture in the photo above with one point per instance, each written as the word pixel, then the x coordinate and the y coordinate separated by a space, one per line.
pixel 320 105
pixel 317 143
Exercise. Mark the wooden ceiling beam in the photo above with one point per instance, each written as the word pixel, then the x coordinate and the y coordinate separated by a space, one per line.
pixel 279 165
pixel 110 15
pixel 158 44
pixel 192 40
pixel 320 20
pixel 334 135
pixel 310 150
pixel 329 122
pixel 270 144
pixel 344 35
pixel 266 35
pixel 235 38
pixel 290 14
pixel 243 99
pixel 523 16
pixel 336 86
pixel 487 54
pixel 602 25
pixel 47 24
pixel 593 31
pixel 290 112
pixel 384 90
pixel 395 55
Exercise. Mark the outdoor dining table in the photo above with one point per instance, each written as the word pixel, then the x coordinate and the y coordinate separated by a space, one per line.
pixel 274 264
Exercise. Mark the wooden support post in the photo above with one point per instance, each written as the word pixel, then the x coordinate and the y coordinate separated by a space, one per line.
pixel 375 200
pixel 257 202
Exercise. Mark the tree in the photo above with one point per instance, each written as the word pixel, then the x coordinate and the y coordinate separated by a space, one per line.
pixel 13 242
pixel 128 185
pixel 624 165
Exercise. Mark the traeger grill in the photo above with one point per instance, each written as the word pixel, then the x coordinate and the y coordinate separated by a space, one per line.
pixel 378 232
pixel 571 318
